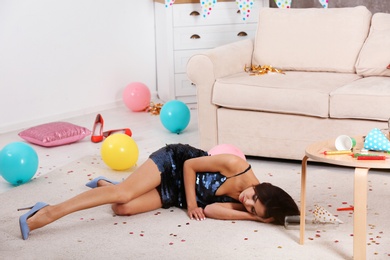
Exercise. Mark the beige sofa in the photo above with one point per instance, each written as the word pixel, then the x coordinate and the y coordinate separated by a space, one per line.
pixel 336 81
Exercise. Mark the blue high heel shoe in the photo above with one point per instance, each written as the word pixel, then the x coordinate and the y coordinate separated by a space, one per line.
pixel 24 229
pixel 93 184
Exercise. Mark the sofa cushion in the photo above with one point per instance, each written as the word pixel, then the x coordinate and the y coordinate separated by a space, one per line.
pixel 375 55
pixel 336 38
pixel 367 98
pixel 305 93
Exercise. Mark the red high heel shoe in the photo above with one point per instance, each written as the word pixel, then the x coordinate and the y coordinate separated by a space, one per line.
pixel 97 137
pixel 125 131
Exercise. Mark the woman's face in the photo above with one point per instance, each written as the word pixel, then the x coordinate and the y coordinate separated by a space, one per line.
pixel 253 205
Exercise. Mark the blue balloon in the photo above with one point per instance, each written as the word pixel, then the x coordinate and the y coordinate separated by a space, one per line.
pixel 18 163
pixel 175 116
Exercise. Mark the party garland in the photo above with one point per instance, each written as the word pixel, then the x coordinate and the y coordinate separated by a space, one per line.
pixel 245 6
pixel 287 3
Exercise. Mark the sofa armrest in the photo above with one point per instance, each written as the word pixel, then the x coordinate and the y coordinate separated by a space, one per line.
pixel 203 70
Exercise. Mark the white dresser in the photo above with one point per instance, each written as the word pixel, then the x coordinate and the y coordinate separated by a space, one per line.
pixel 182 31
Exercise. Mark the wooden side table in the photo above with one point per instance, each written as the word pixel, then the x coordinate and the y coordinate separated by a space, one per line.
pixel 315 152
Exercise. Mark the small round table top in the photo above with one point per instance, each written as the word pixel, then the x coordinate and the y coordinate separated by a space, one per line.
pixel 316 151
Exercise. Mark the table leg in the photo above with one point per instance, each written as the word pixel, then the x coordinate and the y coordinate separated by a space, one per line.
pixel 360 213
pixel 303 201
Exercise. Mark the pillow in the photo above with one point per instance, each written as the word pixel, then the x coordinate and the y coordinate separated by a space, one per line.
pixel 374 57
pixel 54 134
pixel 311 39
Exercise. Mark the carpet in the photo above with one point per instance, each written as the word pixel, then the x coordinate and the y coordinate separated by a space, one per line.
pixel 169 234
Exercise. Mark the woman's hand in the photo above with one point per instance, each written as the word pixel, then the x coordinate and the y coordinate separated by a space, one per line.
pixel 196 213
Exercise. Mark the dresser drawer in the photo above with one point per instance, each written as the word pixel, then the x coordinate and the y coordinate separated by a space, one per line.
pixel 182 57
pixel 183 86
pixel 223 13
pixel 181 33
pixel 207 37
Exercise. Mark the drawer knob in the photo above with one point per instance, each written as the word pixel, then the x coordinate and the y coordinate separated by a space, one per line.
pixel 194 13
pixel 242 34
pixel 195 36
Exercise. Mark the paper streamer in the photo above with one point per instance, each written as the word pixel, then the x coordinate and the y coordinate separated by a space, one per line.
pixel 168 3
pixel 245 7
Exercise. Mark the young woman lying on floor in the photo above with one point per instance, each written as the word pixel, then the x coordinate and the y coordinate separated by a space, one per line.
pixel 220 186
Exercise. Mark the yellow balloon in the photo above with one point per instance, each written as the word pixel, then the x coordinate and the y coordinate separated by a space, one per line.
pixel 119 152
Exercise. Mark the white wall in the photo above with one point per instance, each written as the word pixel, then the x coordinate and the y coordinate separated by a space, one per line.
pixel 62 58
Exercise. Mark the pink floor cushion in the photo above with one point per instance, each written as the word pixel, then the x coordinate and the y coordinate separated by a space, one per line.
pixel 54 134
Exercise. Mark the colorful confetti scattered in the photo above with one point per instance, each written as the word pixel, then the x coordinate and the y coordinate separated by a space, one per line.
pixel 375 239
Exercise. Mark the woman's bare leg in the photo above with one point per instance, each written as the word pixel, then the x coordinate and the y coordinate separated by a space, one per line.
pixel 145 179
pixel 144 203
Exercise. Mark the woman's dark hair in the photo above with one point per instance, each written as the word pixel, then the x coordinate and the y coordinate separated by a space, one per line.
pixel 277 202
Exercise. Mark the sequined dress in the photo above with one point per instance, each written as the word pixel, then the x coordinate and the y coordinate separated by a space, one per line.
pixel 170 160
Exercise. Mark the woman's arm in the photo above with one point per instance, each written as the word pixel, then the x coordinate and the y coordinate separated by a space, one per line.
pixel 189 177
pixel 231 211
pixel 228 211
pixel 225 164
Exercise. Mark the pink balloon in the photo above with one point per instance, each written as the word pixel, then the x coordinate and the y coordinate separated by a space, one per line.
pixel 227 149
pixel 136 96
